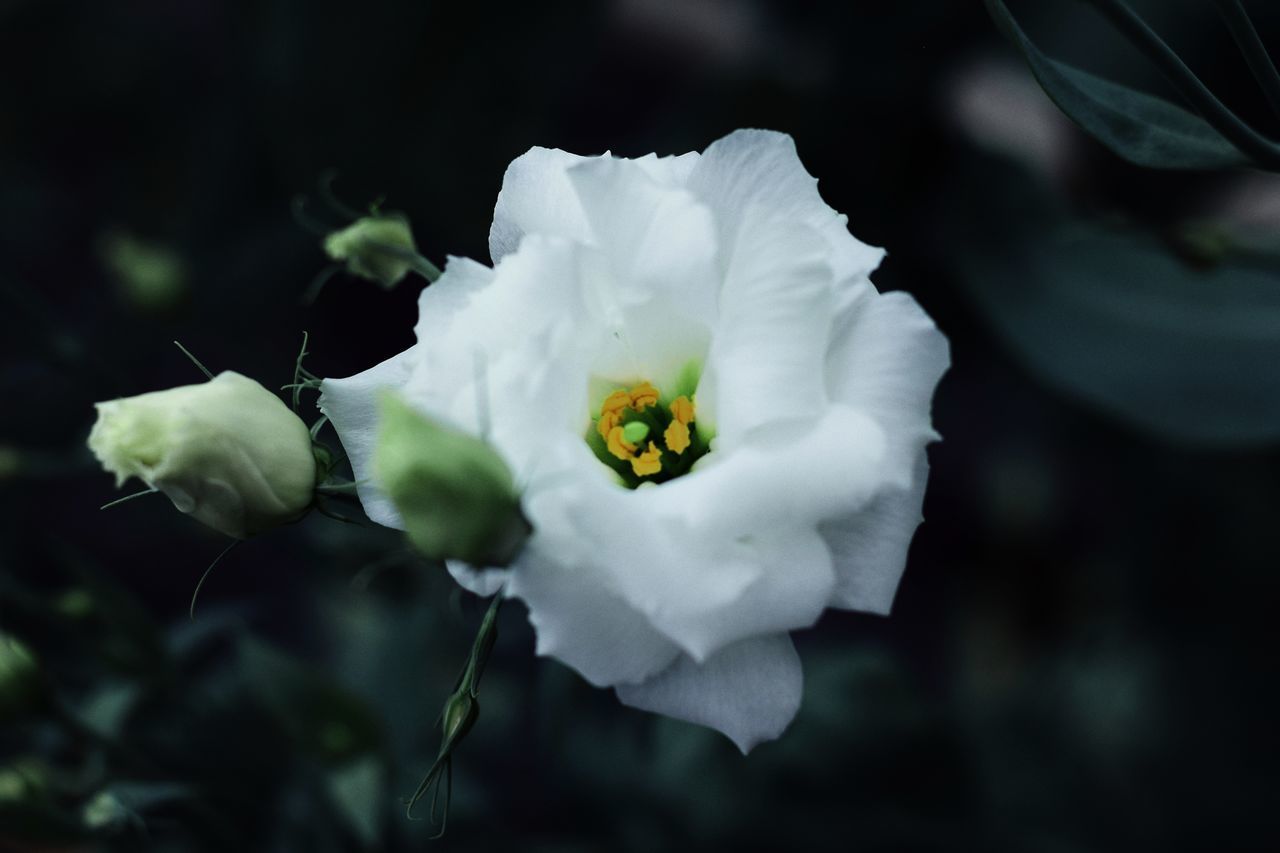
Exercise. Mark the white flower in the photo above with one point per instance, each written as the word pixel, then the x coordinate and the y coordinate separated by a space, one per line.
pixel 717 291
pixel 226 451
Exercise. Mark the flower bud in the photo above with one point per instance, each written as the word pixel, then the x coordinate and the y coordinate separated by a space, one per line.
pixel 378 248
pixel 227 451
pixel 19 677
pixel 454 493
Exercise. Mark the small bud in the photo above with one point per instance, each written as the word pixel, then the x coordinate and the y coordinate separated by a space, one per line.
pixel 454 493
pixel 226 451
pixel 460 714
pixel 378 248
pixel 19 677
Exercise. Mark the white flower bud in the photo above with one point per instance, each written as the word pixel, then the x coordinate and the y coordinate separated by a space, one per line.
pixel 227 451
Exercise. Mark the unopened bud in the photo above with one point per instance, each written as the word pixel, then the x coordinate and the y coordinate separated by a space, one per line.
pixel 378 248
pixel 454 493
pixel 227 451
pixel 460 714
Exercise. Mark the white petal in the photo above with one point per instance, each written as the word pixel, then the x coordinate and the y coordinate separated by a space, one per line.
pixel 614 544
pixel 737 539
pixel 581 623
pixel 537 198
pixel 658 240
pixel 870 547
pixel 771 341
pixel 761 167
pixel 783 477
pixel 481 582
pixel 512 365
pixel 750 691
pixel 352 407
pixel 886 361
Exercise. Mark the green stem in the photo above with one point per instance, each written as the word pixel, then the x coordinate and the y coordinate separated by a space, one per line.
pixel 1264 152
pixel 1255 53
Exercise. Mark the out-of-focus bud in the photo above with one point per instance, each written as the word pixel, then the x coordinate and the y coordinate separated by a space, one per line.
pixel 19 677
pixel 227 451
pixel 150 276
pixel 454 493
pixel 379 248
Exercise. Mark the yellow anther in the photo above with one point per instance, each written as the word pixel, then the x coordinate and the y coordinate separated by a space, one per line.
pixel 676 436
pixel 618 444
pixel 649 462
pixel 608 420
pixel 615 402
pixel 611 412
pixel 643 395
pixel 682 410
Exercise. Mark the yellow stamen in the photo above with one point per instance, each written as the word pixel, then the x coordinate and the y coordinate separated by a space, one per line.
pixel 643 395
pixel 618 444
pixel 649 462
pixel 682 410
pixel 608 420
pixel 676 436
pixel 611 412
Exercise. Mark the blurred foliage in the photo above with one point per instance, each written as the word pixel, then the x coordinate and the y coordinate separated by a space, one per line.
pixel 1078 658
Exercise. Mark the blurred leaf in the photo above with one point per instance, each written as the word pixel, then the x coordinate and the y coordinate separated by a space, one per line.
pixel 106 710
pixel 326 720
pixel 1139 127
pixel 360 792
pixel 1117 320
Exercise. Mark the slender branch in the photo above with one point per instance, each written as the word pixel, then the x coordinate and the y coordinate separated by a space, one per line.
pixel 1255 53
pixel 194 360
pixel 1264 152
pixel 119 501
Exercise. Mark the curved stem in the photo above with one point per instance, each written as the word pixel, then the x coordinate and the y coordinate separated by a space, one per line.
pixel 1264 152
pixel 1255 53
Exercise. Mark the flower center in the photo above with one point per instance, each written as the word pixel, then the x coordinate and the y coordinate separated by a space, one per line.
pixel 645 438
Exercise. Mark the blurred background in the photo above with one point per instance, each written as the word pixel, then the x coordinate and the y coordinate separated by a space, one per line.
pixel 1077 656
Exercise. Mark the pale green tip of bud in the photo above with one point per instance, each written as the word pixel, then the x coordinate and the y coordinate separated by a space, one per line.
pixel 454 493
pixel 635 432
pixel 378 248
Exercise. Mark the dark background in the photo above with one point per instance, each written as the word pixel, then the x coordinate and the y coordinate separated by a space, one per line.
pixel 1079 655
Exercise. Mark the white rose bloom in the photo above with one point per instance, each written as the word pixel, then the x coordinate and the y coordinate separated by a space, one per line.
pixel 702 327
pixel 227 451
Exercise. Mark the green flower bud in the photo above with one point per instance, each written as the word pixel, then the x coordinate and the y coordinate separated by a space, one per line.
pixel 19 677
pixel 460 714
pixel 378 248
pixel 226 451
pixel 454 493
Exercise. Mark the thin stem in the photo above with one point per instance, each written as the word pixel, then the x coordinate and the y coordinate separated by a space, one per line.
pixel 416 262
pixel 1255 53
pixel 194 360
pixel 192 610
pixel 326 193
pixel 119 501
pixel 1264 152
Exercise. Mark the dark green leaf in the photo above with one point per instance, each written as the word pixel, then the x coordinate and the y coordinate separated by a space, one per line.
pixel 1121 322
pixel 1139 127
pixel 324 718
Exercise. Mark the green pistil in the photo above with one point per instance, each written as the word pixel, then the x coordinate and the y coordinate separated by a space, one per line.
pixel 635 432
